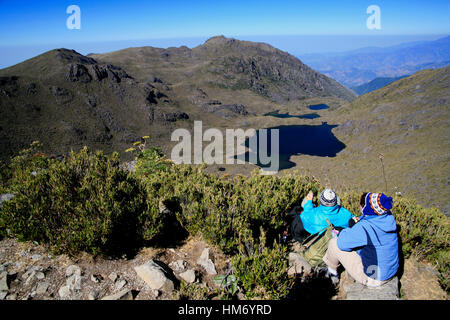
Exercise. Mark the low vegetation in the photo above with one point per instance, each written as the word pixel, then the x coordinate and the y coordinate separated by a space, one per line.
pixel 88 202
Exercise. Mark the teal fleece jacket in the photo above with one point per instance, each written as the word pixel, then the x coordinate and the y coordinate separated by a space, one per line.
pixel 314 219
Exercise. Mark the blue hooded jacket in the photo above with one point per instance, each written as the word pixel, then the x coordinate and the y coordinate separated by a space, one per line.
pixel 375 239
pixel 314 219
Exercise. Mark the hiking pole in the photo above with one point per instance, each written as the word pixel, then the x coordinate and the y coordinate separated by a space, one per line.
pixel 384 175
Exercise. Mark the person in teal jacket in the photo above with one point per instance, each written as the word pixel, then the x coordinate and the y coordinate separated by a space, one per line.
pixel 314 219
pixel 310 219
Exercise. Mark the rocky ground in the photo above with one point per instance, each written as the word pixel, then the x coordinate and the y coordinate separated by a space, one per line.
pixel 29 271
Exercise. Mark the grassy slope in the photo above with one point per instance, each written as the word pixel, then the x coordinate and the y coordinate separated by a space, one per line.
pixel 406 121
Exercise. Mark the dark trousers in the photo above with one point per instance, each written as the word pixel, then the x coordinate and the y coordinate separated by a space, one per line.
pixel 296 229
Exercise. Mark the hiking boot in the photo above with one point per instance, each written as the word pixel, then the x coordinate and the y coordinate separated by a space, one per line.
pixel 334 278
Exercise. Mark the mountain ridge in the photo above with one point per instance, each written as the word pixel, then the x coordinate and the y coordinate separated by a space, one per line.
pixel 107 101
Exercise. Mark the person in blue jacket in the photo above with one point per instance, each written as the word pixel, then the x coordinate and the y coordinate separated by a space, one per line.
pixel 369 249
pixel 314 219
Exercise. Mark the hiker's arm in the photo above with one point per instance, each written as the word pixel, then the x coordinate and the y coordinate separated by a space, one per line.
pixel 352 238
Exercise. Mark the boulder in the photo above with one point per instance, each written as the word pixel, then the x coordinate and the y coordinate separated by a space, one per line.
pixel 93 295
pixel 155 276
pixel 120 284
pixel 73 269
pixel 357 291
pixel 298 264
pixel 4 281
pixel 122 295
pixel 36 257
pixel 42 287
pixel 205 262
pixel 113 276
pixel 178 266
pixel 188 276
pixel 64 292
pixel 74 282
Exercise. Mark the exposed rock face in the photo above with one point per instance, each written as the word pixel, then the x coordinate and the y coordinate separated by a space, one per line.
pixel 206 262
pixel 225 110
pixel 155 276
pixel 78 72
pixel 85 74
pixel 174 116
pixel 62 95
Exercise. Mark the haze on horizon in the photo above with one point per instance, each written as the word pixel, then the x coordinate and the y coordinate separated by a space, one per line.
pixel 298 27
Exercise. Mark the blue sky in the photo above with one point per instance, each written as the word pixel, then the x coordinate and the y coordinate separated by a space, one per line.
pixel 31 26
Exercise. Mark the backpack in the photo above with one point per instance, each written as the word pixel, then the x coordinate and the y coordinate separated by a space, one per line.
pixel 315 246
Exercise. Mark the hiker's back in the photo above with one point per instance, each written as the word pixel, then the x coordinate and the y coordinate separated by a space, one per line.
pixel 314 218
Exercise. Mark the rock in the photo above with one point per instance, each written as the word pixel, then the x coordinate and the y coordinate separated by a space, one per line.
pixel 357 291
pixel 5 197
pixel 3 294
pixel 11 296
pixel 74 282
pixel 4 281
pixel 298 264
pixel 155 276
pixel 93 295
pixel 64 292
pixel 120 284
pixel 188 276
pixel 206 263
pixel 73 270
pixel 42 287
pixel 178 266
pixel 122 295
pixel 36 257
pixel 96 278
pixel 155 293
pixel 40 275
pixel 113 276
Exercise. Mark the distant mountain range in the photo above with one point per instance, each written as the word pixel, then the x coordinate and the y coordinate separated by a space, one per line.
pixel 107 101
pixel 357 67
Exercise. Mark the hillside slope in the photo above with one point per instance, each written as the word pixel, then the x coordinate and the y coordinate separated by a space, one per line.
pixel 375 84
pixel 408 122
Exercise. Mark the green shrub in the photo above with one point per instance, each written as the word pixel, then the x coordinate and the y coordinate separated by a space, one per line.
pixel 88 203
pixel 192 291
pixel 84 203
pixel 263 275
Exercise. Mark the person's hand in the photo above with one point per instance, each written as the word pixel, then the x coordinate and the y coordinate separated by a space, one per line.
pixel 309 196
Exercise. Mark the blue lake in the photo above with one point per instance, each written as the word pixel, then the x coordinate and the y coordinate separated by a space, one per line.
pixel 314 140
pixel 276 114
pixel 318 107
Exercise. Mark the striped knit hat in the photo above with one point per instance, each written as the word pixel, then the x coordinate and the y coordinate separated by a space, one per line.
pixel 377 204
pixel 328 198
